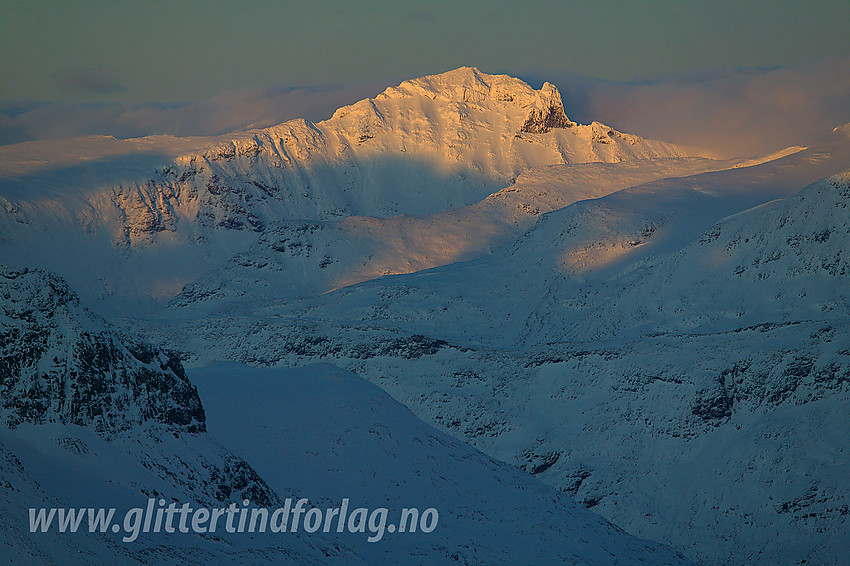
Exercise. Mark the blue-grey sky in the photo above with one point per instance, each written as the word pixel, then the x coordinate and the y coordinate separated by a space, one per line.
pixel 737 77
pixel 167 51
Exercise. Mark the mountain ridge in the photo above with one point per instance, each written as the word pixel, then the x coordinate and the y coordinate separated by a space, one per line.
pixel 165 215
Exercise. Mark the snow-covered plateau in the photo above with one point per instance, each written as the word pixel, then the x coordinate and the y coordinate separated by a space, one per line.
pixel 452 296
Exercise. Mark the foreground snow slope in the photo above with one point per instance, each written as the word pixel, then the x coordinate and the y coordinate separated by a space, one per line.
pixel 325 434
pixel 92 417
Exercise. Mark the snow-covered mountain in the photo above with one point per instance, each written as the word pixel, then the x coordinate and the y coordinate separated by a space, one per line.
pixel 63 364
pixel 676 198
pixel 94 418
pixel 779 263
pixel 152 214
pixel 305 258
pixel 659 335
pixel 569 262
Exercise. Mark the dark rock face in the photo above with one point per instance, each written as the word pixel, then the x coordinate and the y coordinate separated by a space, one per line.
pixel 536 462
pixel 541 121
pixel 713 404
pixel 61 363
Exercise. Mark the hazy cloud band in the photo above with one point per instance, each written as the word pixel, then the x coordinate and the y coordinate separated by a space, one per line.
pixel 738 112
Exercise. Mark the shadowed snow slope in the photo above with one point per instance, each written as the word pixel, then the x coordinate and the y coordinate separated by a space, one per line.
pixel 94 418
pixel 325 434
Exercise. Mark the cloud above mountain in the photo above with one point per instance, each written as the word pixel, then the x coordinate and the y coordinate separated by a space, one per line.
pixel 732 112
pixel 231 110
pixel 88 80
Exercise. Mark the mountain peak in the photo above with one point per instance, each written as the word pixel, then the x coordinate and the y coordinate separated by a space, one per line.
pixel 470 85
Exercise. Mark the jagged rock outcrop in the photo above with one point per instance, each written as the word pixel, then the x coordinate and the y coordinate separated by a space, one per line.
pixel 60 363
pixel 552 115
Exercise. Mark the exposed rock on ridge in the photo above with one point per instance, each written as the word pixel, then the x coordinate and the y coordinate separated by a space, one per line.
pixel 60 363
